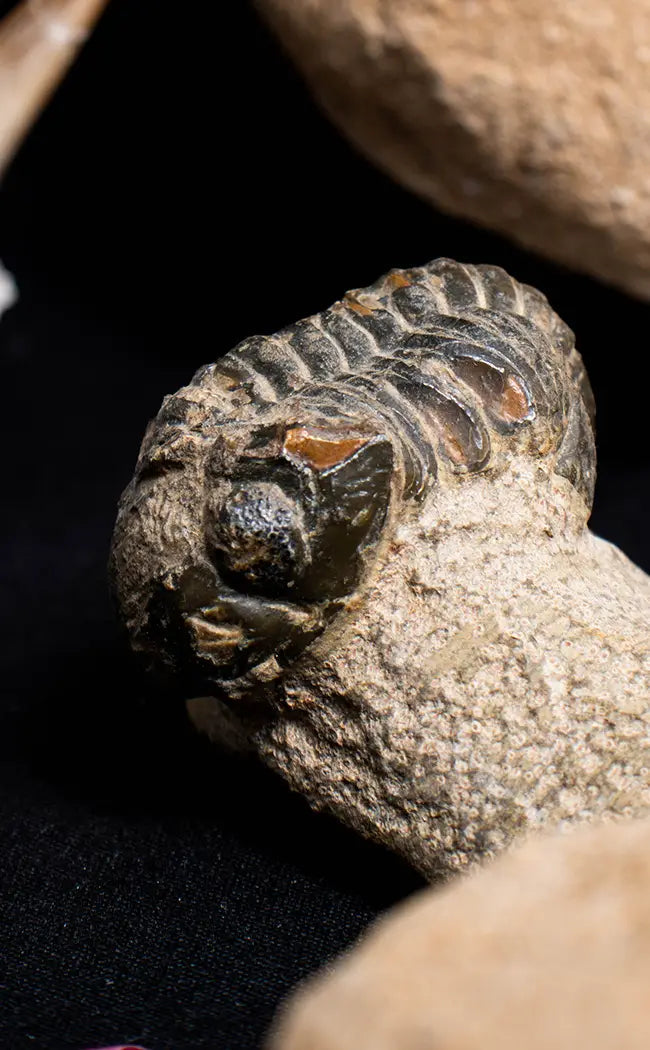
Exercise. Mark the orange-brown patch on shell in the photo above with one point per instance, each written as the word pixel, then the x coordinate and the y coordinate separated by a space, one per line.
pixel 398 279
pixel 226 382
pixel 453 447
pixel 321 448
pixel 514 405
pixel 353 303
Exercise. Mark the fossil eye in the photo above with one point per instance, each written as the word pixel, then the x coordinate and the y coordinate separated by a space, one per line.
pixel 256 534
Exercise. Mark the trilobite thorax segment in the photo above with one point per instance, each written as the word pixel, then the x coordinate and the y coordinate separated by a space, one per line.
pixel 308 445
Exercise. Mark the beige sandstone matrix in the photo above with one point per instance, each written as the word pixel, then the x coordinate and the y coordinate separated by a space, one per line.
pixel 361 547
pixel 547 949
pixel 532 119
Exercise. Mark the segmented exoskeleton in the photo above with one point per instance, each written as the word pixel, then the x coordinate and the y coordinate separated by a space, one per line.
pixel 309 443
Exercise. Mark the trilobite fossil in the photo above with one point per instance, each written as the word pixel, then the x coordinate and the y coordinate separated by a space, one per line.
pixel 297 453
pixel 360 548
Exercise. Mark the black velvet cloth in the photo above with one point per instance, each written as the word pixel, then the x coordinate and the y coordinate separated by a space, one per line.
pixel 182 192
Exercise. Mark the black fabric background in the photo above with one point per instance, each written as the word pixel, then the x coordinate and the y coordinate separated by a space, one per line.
pixel 181 192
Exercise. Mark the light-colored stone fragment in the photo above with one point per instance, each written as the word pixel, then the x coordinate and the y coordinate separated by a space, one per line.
pixel 531 119
pixel 546 949
pixel 38 41
pixel 8 290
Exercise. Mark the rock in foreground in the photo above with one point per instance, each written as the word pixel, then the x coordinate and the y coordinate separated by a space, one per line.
pixel 547 949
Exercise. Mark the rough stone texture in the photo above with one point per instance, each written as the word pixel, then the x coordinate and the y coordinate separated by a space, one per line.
pixel 532 119
pixel 489 673
pixel 496 679
pixel 547 949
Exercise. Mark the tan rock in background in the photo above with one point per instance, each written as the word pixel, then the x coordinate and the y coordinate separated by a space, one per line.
pixel 531 119
pixel 547 949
